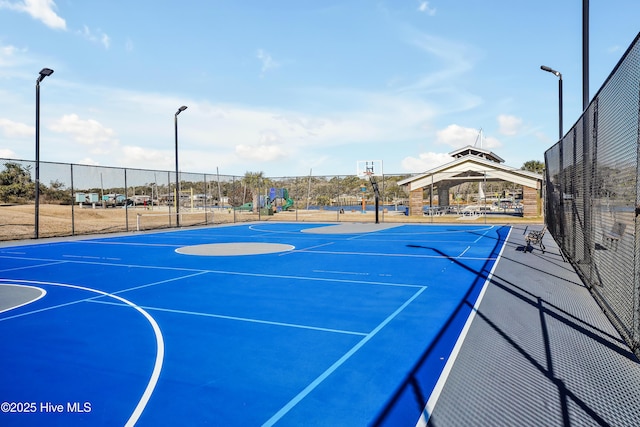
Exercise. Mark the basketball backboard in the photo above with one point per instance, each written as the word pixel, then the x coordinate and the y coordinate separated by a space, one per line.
pixel 366 168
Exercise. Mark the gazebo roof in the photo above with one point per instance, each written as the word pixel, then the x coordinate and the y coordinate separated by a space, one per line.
pixel 473 164
pixel 475 151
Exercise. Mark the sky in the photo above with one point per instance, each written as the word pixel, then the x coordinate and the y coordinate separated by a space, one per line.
pixel 292 87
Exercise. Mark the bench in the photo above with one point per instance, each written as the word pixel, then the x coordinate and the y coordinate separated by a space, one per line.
pixel 535 238
pixel 613 237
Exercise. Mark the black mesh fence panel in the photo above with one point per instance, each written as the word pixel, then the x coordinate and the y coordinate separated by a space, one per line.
pixel 592 195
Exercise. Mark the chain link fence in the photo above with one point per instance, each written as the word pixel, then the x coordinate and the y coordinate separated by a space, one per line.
pixel 80 199
pixel 593 196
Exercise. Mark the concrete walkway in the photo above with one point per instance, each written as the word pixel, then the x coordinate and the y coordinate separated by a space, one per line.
pixel 540 352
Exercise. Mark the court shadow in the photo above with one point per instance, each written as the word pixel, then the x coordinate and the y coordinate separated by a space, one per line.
pixel 544 360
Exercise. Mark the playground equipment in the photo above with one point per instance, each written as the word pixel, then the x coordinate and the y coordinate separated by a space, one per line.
pixel 279 194
pixel 277 198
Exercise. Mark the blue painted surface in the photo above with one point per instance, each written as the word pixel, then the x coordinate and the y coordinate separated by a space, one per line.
pixel 325 334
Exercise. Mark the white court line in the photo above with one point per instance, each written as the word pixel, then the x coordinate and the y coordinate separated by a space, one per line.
pixel 430 233
pixel 160 282
pixel 463 252
pixel 241 319
pixel 315 383
pixel 255 228
pixel 155 374
pixel 387 233
pixel 483 235
pixel 317 279
pixel 475 241
pixel 437 389
pixel 91 257
pixel 310 247
pixel 355 273
pixel 26 267
pixel 393 255
pixel 53 307
pixel 233 273
pixel 128 244
pixel 42 293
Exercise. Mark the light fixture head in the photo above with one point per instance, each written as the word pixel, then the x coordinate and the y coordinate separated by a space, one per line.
pixel 551 70
pixel 44 73
pixel 181 109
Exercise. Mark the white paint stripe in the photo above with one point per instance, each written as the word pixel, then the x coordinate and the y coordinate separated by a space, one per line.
pixel 242 319
pixel 129 244
pixel 429 227
pixel 355 273
pixel 53 307
pixel 238 273
pixel 318 279
pixel 437 390
pixel 80 256
pixel 463 252
pixel 315 246
pixel 293 402
pixel 42 293
pixel 393 255
pixel 483 235
pixel 155 374
pixel 160 282
pixel 27 267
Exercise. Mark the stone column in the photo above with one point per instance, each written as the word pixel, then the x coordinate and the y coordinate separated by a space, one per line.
pixel 416 201
pixel 530 202
pixel 443 194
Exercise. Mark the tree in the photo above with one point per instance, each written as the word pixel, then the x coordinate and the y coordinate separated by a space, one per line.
pixel 15 182
pixel 533 166
pixel 57 191
pixel 254 180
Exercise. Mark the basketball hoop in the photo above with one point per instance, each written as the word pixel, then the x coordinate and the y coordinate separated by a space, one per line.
pixel 368 169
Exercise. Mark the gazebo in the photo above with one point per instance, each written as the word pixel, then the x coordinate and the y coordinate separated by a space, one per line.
pixel 472 164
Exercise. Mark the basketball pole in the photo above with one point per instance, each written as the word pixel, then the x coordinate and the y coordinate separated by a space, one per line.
pixel 376 192
pixel 374 184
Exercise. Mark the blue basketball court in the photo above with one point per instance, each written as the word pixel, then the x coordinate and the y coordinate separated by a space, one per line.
pixel 257 324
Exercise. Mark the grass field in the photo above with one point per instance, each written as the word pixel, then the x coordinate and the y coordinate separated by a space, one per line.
pixel 17 221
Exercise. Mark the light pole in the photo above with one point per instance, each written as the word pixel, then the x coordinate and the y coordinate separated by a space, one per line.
pixel 43 73
pixel 559 75
pixel 180 110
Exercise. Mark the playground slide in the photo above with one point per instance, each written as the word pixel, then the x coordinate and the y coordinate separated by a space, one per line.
pixel 288 204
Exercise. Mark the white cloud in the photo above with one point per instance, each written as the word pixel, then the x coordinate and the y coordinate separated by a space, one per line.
pixel 458 137
pixel 105 40
pixel 97 36
pixel 268 63
pixel 139 157
pixel 455 59
pixel 128 45
pixel 262 152
pixel 424 162
pixel 454 136
pixel 425 8
pixel 614 49
pixel 11 129
pixel 88 161
pixel 7 154
pixel 509 125
pixel 7 54
pixel 86 132
pixel 41 10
